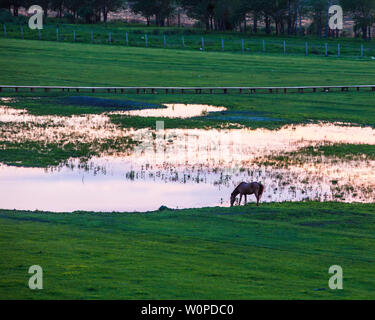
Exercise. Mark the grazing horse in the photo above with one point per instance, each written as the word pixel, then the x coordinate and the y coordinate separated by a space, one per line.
pixel 247 188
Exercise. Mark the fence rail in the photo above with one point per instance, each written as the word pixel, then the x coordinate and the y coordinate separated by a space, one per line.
pixel 241 43
pixel 197 90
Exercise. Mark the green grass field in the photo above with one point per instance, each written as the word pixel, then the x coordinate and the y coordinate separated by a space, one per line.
pixel 275 251
pixel 41 63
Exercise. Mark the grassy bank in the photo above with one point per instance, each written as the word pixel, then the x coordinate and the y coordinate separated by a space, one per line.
pixel 252 111
pixel 342 150
pixel 35 154
pixel 275 251
pixel 44 154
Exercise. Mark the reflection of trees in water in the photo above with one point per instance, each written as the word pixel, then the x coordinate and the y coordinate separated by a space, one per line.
pixel 325 180
pixel 222 158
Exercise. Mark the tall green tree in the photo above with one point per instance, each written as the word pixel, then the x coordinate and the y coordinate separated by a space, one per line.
pixel 319 14
pixel 160 9
pixel 201 10
pixel 363 12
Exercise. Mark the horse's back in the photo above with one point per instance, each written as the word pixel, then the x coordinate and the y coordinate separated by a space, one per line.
pixel 252 187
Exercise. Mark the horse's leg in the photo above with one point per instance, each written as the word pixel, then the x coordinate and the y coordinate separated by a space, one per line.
pixel 245 199
pixel 239 203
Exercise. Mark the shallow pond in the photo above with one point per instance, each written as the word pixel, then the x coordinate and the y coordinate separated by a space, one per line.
pixel 175 110
pixel 180 168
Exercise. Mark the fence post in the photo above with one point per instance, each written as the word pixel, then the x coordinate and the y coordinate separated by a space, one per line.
pixel 92 36
pixel 338 49
pixel 243 47
pixel 284 45
pixel 22 32
pixel 202 43
pixel 222 44
pixel 326 49
pixel 126 39
pixel 39 34
pixel 183 41
pixel 109 37
pixel 306 49
pixel 5 30
pixel 146 44
pixel 74 35
pixel 57 34
pixel 361 50
pixel 165 41
pixel 264 45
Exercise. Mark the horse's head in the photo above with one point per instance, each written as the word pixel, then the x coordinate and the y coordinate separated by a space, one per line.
pixel 232 199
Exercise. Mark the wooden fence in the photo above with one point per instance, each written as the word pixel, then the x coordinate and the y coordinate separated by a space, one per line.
pixel 182 90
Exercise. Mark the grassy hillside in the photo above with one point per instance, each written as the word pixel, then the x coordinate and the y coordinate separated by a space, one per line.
pixel 275 251
pixel 49 63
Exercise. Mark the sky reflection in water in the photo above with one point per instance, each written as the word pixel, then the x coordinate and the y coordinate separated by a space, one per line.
pixel 182 168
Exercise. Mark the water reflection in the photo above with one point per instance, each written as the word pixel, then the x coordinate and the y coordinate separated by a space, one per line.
pixel 181 167
pixel 17 125
pixel 175 110
pixel 120 184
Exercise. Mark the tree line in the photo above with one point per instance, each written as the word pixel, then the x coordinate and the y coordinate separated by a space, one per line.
pixel 90 11
pixel 291 17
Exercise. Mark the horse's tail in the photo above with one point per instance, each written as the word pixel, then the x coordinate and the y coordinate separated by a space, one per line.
pixel 261 189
